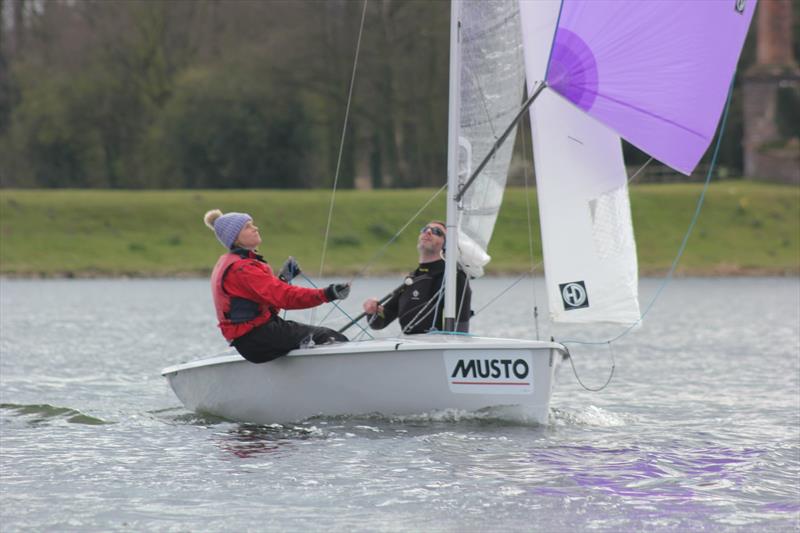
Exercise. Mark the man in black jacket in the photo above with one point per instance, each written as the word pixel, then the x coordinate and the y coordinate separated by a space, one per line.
pixel 419 303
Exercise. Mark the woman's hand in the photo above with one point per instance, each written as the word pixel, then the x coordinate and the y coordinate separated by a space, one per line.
pixel 337 291
pixel 289 270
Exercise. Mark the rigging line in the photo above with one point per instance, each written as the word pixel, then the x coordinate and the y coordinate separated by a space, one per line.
pixel 610 375
pixel 477 83
pixel 682 247
pixel 358 337
pixel 412 325
pixel 424 308
pixel 460 303
pixel 542 85
pixel 397 234
pixel 335 305
pixel 427 309
pixel 501 293
pixel 641 168
pixel 436 307
pixel 439 299
pixel 341 143
pixel 530 228
pixel 553 42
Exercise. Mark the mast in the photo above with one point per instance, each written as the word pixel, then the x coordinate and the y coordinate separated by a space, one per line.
pixel 453 127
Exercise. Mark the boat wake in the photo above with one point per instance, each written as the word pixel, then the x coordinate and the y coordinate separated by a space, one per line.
pixel 587 416
pixel 180 417
pixel 498 415
pixel 502 415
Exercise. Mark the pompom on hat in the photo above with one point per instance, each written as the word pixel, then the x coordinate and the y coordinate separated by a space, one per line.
pixel 226 227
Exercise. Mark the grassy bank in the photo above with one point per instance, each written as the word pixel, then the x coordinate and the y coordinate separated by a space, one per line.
pixel 744 228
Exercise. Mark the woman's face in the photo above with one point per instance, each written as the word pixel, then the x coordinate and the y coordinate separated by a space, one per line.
pixel 249 237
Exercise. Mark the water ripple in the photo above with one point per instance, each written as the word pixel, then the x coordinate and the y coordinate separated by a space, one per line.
pixel 44 414
pixel 698 431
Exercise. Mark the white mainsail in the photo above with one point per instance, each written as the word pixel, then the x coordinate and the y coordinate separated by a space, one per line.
pixel 492 82
pixel 587 233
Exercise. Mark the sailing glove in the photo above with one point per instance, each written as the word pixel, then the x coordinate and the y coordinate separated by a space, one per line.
pixel 289 270
pixel 337 291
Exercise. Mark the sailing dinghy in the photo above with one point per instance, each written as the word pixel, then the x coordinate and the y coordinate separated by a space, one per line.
pixel 655 73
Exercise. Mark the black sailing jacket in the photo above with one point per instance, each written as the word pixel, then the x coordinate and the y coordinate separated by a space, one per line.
pixel 415 304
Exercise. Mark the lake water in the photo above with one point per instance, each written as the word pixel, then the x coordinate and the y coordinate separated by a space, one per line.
pixel 699 428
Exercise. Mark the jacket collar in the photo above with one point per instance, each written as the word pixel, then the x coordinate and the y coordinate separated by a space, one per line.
pixel 244 253
pixel 433 266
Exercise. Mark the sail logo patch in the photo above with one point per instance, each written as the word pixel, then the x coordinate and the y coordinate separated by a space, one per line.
pixel 498 372
pixel 574 295
pixel 739 6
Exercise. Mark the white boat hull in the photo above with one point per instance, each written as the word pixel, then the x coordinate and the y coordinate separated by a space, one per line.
pixel 401 376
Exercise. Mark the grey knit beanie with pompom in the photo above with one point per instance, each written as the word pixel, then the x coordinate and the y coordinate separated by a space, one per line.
pixel 226 227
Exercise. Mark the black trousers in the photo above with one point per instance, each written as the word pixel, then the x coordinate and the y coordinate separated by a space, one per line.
pixel 278 337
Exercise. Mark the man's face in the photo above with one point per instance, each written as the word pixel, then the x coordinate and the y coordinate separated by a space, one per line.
pixel 429 242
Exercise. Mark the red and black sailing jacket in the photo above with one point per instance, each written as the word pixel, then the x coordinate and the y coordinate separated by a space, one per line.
pixel 247 294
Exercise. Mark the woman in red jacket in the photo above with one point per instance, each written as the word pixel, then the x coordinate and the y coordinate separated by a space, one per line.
pixel 248 296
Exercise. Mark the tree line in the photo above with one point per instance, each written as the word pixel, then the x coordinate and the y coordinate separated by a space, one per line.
pixel 229 94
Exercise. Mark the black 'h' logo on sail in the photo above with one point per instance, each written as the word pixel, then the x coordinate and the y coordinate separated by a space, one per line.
pixel 574 295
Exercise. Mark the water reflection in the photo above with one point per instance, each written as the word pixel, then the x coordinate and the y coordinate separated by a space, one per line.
pixel 248 440
pixel 635 473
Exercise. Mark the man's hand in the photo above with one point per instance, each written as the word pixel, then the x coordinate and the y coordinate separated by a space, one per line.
pixel 289 270
pixel 372 306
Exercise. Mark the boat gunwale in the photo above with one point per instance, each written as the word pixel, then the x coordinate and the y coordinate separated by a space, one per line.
pixel 381 345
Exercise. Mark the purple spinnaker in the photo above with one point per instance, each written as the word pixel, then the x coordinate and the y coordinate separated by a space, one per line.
pixel 655 71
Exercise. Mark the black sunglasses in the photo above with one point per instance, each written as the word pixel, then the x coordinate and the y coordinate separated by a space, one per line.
pixel 439 232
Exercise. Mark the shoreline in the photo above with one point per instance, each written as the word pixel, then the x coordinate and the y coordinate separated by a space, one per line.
pixel 747 229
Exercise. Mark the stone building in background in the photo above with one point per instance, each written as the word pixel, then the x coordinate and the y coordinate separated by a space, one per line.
pixel 771 91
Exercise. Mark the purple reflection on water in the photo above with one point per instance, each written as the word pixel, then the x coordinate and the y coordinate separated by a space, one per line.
pixel 782 507
pixel 631 472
